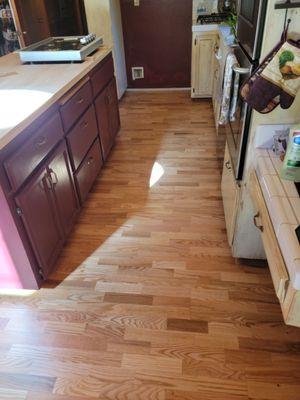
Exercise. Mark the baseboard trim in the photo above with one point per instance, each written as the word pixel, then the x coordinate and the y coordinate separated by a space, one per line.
pixel 159 90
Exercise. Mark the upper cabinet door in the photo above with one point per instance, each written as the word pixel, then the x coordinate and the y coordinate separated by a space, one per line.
pixel 63 188
pixel 38 214
pixel 113 107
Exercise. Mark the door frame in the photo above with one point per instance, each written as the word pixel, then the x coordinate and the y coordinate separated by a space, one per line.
pixel 17 22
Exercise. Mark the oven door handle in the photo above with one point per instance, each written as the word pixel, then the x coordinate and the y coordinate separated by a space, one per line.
pixel 240 70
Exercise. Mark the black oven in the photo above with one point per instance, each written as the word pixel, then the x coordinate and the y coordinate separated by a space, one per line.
pixel 237 128
pixel 251 15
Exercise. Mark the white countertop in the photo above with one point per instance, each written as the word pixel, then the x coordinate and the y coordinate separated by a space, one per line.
pixel 26 91
pixel 283 203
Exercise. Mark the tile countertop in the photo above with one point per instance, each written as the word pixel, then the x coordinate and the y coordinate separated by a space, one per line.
pixel 283 203
pixel 26 91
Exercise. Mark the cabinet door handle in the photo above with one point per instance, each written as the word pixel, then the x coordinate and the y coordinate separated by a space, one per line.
pixel 258 225
pixel 41 141
pixel 228 165
pixel 48 182
pixel 53 177
pixel 91 161
pixel 80 101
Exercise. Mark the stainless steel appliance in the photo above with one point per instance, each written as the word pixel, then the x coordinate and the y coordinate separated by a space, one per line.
pixel 226 6
pixel 61 49
pixel 251 16
pixel 251 19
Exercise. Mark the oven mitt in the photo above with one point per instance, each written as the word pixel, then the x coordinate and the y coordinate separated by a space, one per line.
pixel 276 81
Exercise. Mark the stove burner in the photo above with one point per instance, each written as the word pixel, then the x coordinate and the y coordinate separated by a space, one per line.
pixel 212 18
pixel 60 45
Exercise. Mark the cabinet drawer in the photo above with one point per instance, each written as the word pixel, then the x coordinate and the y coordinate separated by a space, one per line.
pixel 73 107
pixel 263 222
pixel 101 76
pixel 22 163
pixel 89 170
pixel 82 136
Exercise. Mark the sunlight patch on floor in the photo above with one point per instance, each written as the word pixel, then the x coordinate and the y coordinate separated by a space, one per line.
pixel 156 174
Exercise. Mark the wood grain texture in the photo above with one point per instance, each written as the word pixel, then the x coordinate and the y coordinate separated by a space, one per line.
pixel 146 302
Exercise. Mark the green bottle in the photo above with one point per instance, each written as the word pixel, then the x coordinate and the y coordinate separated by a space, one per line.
pixel 291 164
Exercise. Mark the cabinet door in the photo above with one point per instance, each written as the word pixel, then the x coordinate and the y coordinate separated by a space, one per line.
pixel 230 195
pixel 37 210
pixel 102 111
pixel 113 108
pixel 63 188
pixel 202 64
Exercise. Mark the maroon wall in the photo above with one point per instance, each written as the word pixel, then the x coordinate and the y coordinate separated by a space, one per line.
pixel 157 36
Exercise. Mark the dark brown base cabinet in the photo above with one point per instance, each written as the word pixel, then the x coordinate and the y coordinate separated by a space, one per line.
pixel 107 111
pixel 48 170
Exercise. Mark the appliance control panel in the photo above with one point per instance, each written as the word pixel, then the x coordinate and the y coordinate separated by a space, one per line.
pixel 88 38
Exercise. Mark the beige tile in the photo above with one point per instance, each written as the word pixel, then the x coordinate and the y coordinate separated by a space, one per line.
pixel 291 252
pixel 295 202
pixel 265 166
pixel 281 212
pixel 272 186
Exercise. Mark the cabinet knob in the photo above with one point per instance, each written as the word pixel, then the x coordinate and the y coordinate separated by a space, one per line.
pixel 90 161
pixel 41 141
pixel 228 165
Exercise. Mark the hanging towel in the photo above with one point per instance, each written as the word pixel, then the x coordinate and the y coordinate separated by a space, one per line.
pixel 235 95
pixel 227 89
pixel 277 79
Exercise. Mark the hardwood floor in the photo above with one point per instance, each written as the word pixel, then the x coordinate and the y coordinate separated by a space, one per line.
pixel 147 303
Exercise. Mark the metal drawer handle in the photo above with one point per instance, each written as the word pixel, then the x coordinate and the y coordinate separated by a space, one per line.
pixel 84 124
pixel 91 161
pixel 80 101
pixel 48 181
pixel 41 141
pixel 52 175
pixel 228 165
pixel 240 70
pixel 258 226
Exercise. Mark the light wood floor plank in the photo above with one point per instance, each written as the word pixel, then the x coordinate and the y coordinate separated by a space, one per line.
pixel 146 302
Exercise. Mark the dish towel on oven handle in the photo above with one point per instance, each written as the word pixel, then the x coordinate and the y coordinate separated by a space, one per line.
pixel 276 81
pixel 227 89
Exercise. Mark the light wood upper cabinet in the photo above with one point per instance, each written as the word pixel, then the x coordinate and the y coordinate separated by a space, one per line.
pixel 203 63
pixel 230 194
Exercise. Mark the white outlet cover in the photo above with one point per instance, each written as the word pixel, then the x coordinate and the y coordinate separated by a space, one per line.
pixel 137 73
pixel 265 133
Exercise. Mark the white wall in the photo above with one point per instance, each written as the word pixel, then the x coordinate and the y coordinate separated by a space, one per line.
pixel 104 18
pixel 118 43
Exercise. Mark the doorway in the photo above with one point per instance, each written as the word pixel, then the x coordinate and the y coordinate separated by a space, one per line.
pixel 39 19
pixel 158 42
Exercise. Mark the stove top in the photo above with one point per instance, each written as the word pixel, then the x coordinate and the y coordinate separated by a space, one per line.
pixel 212 18
pixel 60 45
pixel 61 49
